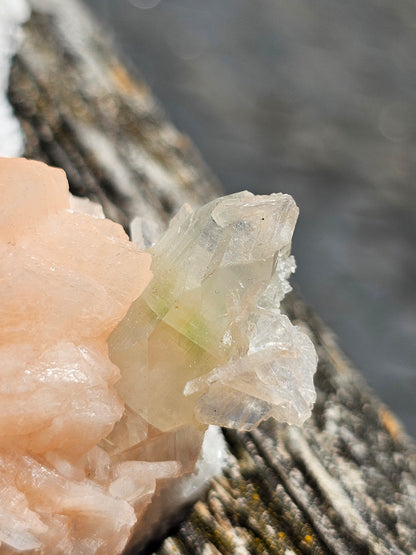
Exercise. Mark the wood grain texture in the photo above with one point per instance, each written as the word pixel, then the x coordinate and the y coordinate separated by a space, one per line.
pixel 346 481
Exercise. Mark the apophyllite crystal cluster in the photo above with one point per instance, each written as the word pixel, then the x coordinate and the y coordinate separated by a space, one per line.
pixel 114 361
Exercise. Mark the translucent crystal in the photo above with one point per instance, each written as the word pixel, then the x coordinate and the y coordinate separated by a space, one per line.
pixel 206 343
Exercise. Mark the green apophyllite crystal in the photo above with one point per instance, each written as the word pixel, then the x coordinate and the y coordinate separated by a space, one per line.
pixel 206 342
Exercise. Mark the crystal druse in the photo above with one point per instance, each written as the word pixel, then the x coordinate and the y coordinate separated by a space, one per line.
pixel 111 370
pixel 207 338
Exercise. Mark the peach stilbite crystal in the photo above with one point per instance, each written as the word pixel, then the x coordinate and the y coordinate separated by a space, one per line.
pixel 66 280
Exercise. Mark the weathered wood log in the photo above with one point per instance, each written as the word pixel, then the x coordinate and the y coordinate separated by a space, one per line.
pixel 346 481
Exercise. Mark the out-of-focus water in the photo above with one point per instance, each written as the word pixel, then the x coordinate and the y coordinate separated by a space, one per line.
pixel 316 99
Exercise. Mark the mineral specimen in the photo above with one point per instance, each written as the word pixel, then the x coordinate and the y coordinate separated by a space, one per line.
pixel 105 405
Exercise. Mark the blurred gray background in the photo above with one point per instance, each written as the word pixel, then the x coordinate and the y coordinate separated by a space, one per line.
pixel 316 99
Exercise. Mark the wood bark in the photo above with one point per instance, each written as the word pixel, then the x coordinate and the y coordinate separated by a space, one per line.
pixel 346 481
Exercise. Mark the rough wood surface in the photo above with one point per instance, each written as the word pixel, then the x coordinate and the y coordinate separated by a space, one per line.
pixel 346 482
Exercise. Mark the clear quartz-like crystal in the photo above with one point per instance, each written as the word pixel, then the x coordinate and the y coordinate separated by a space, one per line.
pixel 206 343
